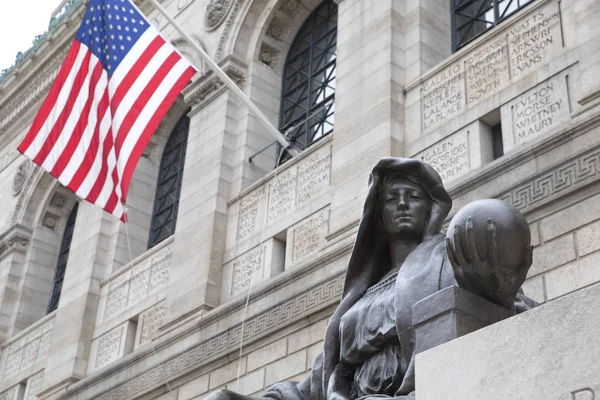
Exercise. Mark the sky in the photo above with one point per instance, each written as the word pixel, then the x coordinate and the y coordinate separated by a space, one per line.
pixel 19 26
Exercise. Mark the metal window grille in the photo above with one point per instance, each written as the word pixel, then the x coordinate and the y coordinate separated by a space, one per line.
pixel 63 257
pixel 308 89
pixel 472 18
pixel 168 187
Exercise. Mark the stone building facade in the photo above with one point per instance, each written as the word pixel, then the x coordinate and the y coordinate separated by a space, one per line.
pixel 229 268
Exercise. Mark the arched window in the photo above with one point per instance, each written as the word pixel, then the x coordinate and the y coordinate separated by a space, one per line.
pixel 308 89
pixel 63 257
pixel 168 187
pixel 471 18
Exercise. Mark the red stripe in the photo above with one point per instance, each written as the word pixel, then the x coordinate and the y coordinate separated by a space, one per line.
pixel 50 101
pixel 81 126
pixel 92 150
pixel 135 72
pixel 113 199
pixel 142 142
pixel 135 110
pixel 97 188
pixel 138 106
pixel 66 111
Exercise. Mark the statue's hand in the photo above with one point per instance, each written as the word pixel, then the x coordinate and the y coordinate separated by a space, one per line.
pixel 485 276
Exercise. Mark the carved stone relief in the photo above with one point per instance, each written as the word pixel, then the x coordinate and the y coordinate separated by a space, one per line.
pixel 450 156
pixel 536 111
pixel 109 345
pixel 23 171
pixel 149 322
pixel 314 174
pixel 249 211
pixel 216 11
pixel 133 286
pixel 308 235
pixel 315 298
pixel 269 55
pixel 492 65
pixel 245 266
pixel 282 194
pixel 34 385
pixel 28 350
pixel 276 28
pixel 228 24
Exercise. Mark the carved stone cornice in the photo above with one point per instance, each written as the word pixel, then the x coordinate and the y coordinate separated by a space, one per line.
pixel 209 85
pixel 15 239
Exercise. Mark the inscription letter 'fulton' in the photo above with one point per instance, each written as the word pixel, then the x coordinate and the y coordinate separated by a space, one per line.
pixel 537 111
pixel 534 40
pixel 450 157
pixel 486 70
pixel 443 96
pixel 282 194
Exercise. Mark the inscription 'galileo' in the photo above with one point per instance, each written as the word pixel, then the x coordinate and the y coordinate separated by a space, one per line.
pixel 537 111
pixel 532 40
pixel 486 70
pixel 443 96
pixel 450 157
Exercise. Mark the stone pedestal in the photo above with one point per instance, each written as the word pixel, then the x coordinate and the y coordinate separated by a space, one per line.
pixel 451 313
pixel 549 352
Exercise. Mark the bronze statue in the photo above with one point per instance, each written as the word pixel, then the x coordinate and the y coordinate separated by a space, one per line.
pixel 399 258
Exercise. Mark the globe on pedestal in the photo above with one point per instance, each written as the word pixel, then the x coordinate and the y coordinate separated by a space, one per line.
pixel 513 235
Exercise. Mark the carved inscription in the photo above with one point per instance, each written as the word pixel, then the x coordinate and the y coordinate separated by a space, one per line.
pixel 534 39
pixel 34 384
pixel 540 109
pixel 132 287
pixel 313 173
pixel 108 346
pixel 29 350
pixel 151 320
pixel 244 268
pixel 443 96
pixel 282 196
pixel 308 234
pixel 486 70
pixel 449 157
pixel 249 211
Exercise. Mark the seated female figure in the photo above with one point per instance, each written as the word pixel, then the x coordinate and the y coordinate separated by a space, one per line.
pixel 399 258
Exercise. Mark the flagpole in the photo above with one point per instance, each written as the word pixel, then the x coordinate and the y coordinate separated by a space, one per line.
pixel 227 80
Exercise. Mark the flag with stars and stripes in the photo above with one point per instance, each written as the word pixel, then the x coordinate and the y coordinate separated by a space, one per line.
pixel 116 84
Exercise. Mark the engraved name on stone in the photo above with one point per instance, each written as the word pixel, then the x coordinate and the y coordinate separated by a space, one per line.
pixel 244 268
pixel 313 173
pixel 308 233
pixel 533 40
pixel 486 70
pixel 443 96
pixel 450 156
pixel 249 211
pixel 539 110
pixel 282 196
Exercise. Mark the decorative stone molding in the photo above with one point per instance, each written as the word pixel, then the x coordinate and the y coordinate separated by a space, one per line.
pixel 568 176
pixel 28 350
pixel 25 194
pixel 276 28
pixel 314 299
pixel 209 85
pixel 20 177
pixel 34 385
pixel 134 284
pixel 216 12
pixel 269 55
pixel 15 239
pixel 228 25
pixel 10 394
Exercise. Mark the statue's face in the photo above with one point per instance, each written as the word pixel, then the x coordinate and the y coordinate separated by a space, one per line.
pixel 406 209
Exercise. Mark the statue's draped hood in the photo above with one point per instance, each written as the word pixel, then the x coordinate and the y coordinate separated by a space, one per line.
pixel 370 259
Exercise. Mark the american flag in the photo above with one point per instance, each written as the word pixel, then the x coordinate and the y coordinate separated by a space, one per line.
pixel 116 84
